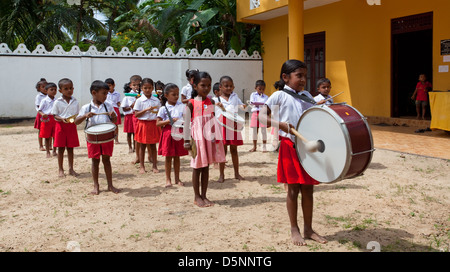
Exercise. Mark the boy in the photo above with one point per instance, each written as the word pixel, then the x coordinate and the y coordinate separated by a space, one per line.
pixel 65 109
pixel 324 88
pixel 114 98
pixel 47 130
pixel 94 113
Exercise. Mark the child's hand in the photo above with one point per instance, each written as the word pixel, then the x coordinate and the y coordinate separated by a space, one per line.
pixel 187 145
pixel 321 102
pixel 44 116
pixel 286 127
pixel 175 119
pixel 89 114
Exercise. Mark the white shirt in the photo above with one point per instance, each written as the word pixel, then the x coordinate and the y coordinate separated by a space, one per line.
pixel 97 119
pixel 230 106
pixel 143 102
pixel 113 98
pixel 320 97
pixel 46 105
pixel 176 111
pixel 286 108
pixel 255 97
pixel 186 91
pixel 127 101
pixel 38 99
pixel 63 109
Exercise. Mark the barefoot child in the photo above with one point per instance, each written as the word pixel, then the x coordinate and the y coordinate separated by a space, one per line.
pixel 42 93
pixel 205 132
pixel 135 85
pixel 231 102
pixel 47 130
pixel 128 124
pixel 146 133
pixel 114 99
pixel 289 170
pixel 186 91
pixel 65 110
pixel 256 98
pixel 170 147
pixel 91 113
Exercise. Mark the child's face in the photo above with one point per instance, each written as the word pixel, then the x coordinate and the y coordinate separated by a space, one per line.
pixel 147 89
pixel 217 93
pixel 66 90
pixel 100 95
pixel 260 89
pixel 226 87
pixel 203 87
pixel 173 95
pixel 134 85
pixel 296 80
pixel 111 87
pixel 324 88
pixel 422 78
pixel 51 92
pixel 42 88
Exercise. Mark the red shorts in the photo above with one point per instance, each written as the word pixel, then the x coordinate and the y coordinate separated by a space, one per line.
pixel 95 150
pixel 147 132
pixel 66 135
pixel 47 127
pixel 37 121
pixel 128 126
pixel 119 119
pixel 289 169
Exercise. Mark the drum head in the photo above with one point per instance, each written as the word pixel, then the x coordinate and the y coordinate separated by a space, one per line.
pixel 321 123
pixel 101 128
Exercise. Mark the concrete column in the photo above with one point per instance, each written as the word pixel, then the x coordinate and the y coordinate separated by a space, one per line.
pixel 296 33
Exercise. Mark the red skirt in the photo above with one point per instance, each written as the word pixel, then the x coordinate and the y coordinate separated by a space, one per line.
pixel 119 119
pixel 254 122
pixel 289 169
pixel 66 135
pixel 231 137
pixel 47 128
pixel 37 121
pixel 168 146
pixel 128 125
pixel 147 132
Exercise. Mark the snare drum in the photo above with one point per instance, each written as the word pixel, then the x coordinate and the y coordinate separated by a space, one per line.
pixel 231 121
pixel 101 133
pixel 347 142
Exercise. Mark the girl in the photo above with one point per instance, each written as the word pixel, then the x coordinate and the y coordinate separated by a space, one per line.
pixel 171 111
pixel 47 130
pixel 186 91
pixel 40 87
pixel 114 98
pixel 205 131
pixel 230 102
pixel 290 171
pixel 127 107
pixel 147 134
pixel 258 97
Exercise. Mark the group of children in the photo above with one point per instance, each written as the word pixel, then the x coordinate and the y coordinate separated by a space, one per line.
pixel 151 117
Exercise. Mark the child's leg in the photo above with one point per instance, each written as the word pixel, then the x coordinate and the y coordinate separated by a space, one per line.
pixel 418 109
pixel 94 170
pixel 235 159
pixel 54 148
pixel 149 154
pixel 40 141
pixel 154 158
pixel 60 161
pixel 116 138
pixel 141 154
pixel 47 146
pixel 196 185
pixel 70 159
pixel 129 141
pixel 424 109
pixel 108 171
pixel 205 180
pixel 168 169
pixel 255 138
pixel 292 207
pixel 176 167
pixel 222 167
pixel 307 208
pixel 264 138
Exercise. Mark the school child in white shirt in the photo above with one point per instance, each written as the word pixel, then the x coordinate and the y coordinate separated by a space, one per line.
pixel 40 87
pixel 47 130
pixel 114 99
pixel 187 90
pixel 257 99
pixel 324 88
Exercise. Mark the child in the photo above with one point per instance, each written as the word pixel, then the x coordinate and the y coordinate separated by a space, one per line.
pixel 146 133
pixel 171 111
pixel 230 102
pixel 324 88
pixel 65 110
pixel 114 99
pixel 135 85
pixel 187 90
pixel 128 125
pixel 290 171
pixel 258 97
pixel 205 131
pixel 90 113
pixel 159 89
pixel 421 95
pixel 216 90
pixel 40 87
pixel 47 130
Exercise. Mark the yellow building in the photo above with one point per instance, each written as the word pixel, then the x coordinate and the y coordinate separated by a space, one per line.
pixel 372 50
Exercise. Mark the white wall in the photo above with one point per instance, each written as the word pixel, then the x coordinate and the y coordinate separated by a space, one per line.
pixel 21 69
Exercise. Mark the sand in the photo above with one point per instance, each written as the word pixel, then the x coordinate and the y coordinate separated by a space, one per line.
pixel 401 203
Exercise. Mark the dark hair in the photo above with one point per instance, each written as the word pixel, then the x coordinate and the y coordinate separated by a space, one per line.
pixel 50 85
pixel 322 81
pixel 126 87
pixel 288 67
pixel 40 82
pixel 98 85
pixel 191 73
pixel 216 86
pixel 64 81
pixel 260 82
pixel 147 80
pixel 159 84
pixel 110 81
pixel 136 78
pixel 225 78
pixel 197 78
pixel 167 89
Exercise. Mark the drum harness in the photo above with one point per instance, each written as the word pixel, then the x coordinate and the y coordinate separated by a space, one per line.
pixel 90 108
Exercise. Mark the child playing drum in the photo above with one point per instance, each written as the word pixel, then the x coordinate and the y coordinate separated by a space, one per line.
pixel 290 171
pixel 97 112
pixel 324 88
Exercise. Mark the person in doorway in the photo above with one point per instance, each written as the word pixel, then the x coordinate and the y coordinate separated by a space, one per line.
pixel 421 95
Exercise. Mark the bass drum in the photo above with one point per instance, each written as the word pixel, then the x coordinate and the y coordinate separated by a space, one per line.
pixel 347 144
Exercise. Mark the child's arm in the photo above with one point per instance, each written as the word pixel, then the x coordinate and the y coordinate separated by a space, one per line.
pixel 81 118
pixel 414 94
pixel 43 114
pixel 187 128
pixel 264 118
pixel 161 123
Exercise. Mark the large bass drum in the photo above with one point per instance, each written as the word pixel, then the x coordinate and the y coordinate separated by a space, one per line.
pixel 347 144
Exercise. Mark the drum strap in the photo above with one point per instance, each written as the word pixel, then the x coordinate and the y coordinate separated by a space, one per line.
pixel 90 108
pixel 300 96
pixel 168 114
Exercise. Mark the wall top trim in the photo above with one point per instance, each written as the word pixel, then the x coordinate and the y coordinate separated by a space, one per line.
pixel 40 50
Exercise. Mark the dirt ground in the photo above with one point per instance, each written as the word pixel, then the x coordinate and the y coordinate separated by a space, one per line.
pixel 401 203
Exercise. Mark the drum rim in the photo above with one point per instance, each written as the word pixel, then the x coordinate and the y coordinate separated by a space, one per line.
pixel 113 128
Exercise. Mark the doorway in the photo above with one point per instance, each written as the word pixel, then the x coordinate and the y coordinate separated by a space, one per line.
pixel 412 55
pixel 314 60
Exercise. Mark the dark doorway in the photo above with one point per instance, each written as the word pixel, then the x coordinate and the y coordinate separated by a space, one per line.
pixel 314 59
pixel 412 55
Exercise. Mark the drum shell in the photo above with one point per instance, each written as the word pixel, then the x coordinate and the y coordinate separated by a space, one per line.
pixel 99 137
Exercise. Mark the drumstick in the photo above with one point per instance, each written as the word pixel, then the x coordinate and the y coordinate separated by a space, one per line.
pixel 333 96
pixel 311 146
pixel 103 113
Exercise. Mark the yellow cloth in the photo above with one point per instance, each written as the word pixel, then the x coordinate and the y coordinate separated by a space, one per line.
pixel 440 110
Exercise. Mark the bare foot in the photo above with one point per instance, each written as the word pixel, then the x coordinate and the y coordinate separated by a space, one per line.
pixel 264 149
pixel 55 154
pixel 296 237
pixel 179 182
pixel 96 191
pixel 208 203
pixel 221 179
pixel 310 234
pixel 199 202
pixel 49 155
pixel 168 183
pixel 252 150
pixel 61 174
pixel 135 161
pixel 239 177
pixel 142 170
pixel 155 170
pixel 113 189
pixel 41 148
pixel 73 173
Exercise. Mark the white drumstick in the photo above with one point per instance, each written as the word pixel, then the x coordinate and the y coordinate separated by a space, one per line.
pixel 311 146
pixel 333 96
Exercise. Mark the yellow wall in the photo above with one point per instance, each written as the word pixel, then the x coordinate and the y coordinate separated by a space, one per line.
pixel 358 48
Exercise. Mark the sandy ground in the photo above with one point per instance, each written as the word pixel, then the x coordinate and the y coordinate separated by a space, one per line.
pixel 401 203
